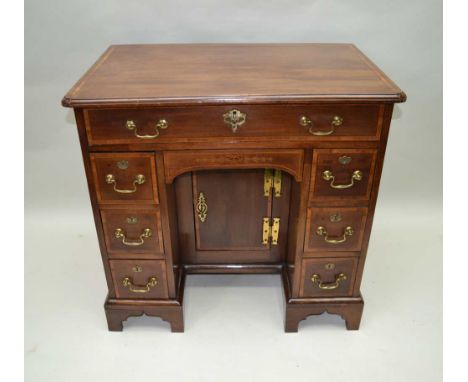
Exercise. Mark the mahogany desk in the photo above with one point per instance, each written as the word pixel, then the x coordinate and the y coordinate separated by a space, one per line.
pixel 233 158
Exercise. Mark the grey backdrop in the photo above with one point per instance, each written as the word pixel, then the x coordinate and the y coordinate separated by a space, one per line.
pixel 66 337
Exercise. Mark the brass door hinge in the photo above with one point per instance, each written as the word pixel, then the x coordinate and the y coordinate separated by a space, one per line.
pixel 272 180
pixel 271 231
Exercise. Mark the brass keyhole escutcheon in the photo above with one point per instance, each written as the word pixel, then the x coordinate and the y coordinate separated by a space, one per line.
pixel 137 269
pixel 329 266
pixel 234 118
pixel 335 218
pixel 122 164
pixel 202 207
pixel 132 220
pixel 344 160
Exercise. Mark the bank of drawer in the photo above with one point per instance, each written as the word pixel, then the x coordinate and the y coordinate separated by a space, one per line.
pixel 132 233
pixel 339 174
pixel 335 229
pixel 127 178
pixel 328 277
pixel 310 122
pixel 139 279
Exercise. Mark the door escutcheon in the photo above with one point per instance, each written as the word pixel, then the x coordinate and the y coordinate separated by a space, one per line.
pixel 202 207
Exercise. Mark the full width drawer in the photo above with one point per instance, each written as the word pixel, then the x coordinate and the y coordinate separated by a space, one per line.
pixel 139 279
pixel 132 232
pixel 310 122
pixel 125 178
pixel 342 174
pixel 328 277
pixel 335 229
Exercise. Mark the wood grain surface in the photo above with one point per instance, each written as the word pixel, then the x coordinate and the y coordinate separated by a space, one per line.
pixel 227 73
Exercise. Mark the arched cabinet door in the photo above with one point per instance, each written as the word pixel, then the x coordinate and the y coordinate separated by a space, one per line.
pixel 233 216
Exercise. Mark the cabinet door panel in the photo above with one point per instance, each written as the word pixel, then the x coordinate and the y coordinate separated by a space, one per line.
pixel 236 207
pixel 229 228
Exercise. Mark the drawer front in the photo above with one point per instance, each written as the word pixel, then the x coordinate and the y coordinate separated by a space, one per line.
pixel 328 277
pixel 125 178
pixel 339 174
pixel 322 122
pixel 139 279
pixel 132 231
pixel 335 229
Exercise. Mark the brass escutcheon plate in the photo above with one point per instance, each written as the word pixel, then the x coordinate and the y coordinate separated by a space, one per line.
pixel 335 218
pixel 344 160
pixel 122 164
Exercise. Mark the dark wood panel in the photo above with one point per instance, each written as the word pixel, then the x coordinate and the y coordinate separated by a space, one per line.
pixel 236 208
pixel 178 162
pixel 226 143
pixel 232 231
pixel 215 73
pixel 234 268
pixel 93 198
pixel 124 171
pixel 170 230
pixel 374 194
pixel 109 126
pixel 335 277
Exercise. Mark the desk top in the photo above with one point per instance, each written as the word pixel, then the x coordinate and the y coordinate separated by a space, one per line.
pixel 184 74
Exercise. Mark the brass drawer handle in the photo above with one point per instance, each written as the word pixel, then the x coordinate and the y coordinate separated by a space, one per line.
pixel 234 118
pixel 162 124
pixel 316 279
pixel 128 283
pixel 327 175
pixel 120 234
pixel 348 231
pixel 307 122
pixel 139 179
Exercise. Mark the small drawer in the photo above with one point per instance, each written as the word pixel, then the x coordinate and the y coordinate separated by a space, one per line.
pixel 177 124
pixel 335 229
pixel 139 279
pixel 125 178
pixel 328 277
pixel 135 232
pixel 339 174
